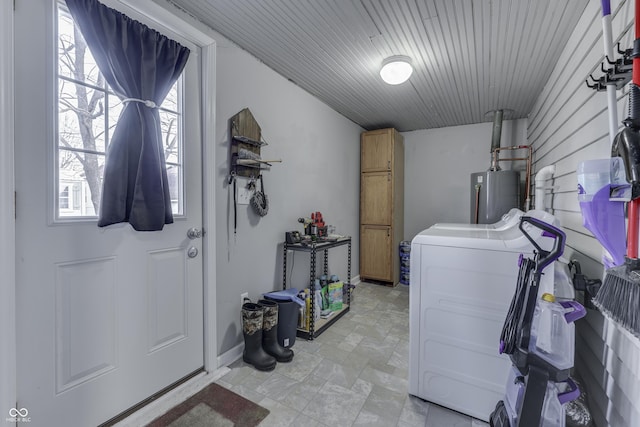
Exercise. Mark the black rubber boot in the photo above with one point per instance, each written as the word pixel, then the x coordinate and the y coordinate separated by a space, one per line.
pixel 253 354
pixel 270 332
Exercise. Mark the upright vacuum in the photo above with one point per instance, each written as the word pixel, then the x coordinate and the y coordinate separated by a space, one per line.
pixel 538 335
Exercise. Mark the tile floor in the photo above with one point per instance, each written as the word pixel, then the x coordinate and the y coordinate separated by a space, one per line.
pixel 353 374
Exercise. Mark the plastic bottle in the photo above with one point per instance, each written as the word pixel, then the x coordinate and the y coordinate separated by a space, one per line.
pixel 553 408
pixel 553 330
pixel 592 176
pixel 563 283
pixel 514 394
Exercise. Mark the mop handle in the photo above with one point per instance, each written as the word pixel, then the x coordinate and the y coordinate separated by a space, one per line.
pixel 635 75
pixel 634 215
pixel 612 99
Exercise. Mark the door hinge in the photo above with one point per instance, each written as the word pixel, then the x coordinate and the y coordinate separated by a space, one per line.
pixel 15 205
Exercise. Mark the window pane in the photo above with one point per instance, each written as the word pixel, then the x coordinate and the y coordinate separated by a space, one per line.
pixel 174 174
pixel 64 197
pixel 74 58
pixel 83 170
pixel 170 138
pixel 171 100
pixel 80 117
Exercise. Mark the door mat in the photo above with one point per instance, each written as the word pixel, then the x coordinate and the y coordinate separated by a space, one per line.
pixel 213 406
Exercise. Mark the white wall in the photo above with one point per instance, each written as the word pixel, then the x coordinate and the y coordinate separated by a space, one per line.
pixel 567 125
pixel 438 167
pixel 320 150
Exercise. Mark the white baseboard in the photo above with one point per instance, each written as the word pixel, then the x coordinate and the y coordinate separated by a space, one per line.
pixel 230 356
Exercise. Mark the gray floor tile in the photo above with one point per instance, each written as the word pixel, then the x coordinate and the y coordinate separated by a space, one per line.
pixel 384 379
pixel 354 374
pixel 298 396
pixel 415 411
pixel 371 419
pixel 385 403
pixel 279 415
pixel 276 385
pixel 442 417
pixel 335 405
pixel 336 373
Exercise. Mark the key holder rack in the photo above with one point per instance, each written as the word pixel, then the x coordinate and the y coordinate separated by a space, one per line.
pixel 246 143
pixel 616 73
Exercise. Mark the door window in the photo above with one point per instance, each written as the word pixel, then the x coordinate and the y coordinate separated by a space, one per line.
pixel 88 111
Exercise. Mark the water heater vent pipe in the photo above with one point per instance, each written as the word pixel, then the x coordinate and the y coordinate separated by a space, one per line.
pixel 495 138
pixel 543 175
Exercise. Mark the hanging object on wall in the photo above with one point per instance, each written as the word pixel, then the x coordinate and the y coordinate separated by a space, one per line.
pixel 246 161
pixel 616 74
pixel 619 295
pixel 612 99
pixel 246 145
pixel 259 201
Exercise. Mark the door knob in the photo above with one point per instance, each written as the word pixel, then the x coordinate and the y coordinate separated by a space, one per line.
pixel 194 233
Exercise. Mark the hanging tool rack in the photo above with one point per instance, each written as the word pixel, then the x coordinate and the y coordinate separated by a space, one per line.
pixel 246 143
pixel 616 72
pixel 246 161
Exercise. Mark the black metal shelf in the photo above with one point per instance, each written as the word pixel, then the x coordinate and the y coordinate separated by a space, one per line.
pixel 313 248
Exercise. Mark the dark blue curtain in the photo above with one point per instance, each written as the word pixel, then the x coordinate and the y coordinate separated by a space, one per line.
pixel 139 63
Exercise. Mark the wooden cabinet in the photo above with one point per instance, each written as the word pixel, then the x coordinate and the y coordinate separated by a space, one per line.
pixel 381 204
pixel 376 150
pixel 375 252
pixel 376 194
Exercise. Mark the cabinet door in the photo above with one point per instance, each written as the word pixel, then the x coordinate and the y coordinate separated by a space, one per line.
pixel 375 253
pixel 376 152
pixel 376 192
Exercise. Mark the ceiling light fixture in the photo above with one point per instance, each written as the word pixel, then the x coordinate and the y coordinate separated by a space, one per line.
pixel 396 69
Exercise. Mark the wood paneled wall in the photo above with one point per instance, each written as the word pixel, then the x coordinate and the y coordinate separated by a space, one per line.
pixel 569 124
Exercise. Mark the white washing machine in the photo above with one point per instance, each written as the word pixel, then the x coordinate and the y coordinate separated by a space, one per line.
pixel 462 283
pixel 507 220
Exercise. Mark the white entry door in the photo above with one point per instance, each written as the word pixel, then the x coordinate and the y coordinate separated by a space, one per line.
pixel 106 317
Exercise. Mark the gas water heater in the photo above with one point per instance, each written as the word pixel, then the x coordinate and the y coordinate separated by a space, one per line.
pixel 493 193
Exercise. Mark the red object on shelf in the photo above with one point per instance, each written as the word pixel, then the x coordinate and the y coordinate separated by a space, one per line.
pixel 318 221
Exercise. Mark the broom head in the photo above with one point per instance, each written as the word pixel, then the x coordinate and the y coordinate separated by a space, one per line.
pixel 619 295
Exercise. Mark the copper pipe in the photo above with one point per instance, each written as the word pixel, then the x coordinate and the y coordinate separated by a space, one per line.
pixel 477 203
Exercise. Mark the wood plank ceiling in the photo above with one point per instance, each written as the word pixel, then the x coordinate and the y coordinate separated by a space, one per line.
pixel 470 57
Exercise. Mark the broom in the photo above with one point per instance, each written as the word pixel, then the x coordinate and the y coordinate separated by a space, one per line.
pixel 619 295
